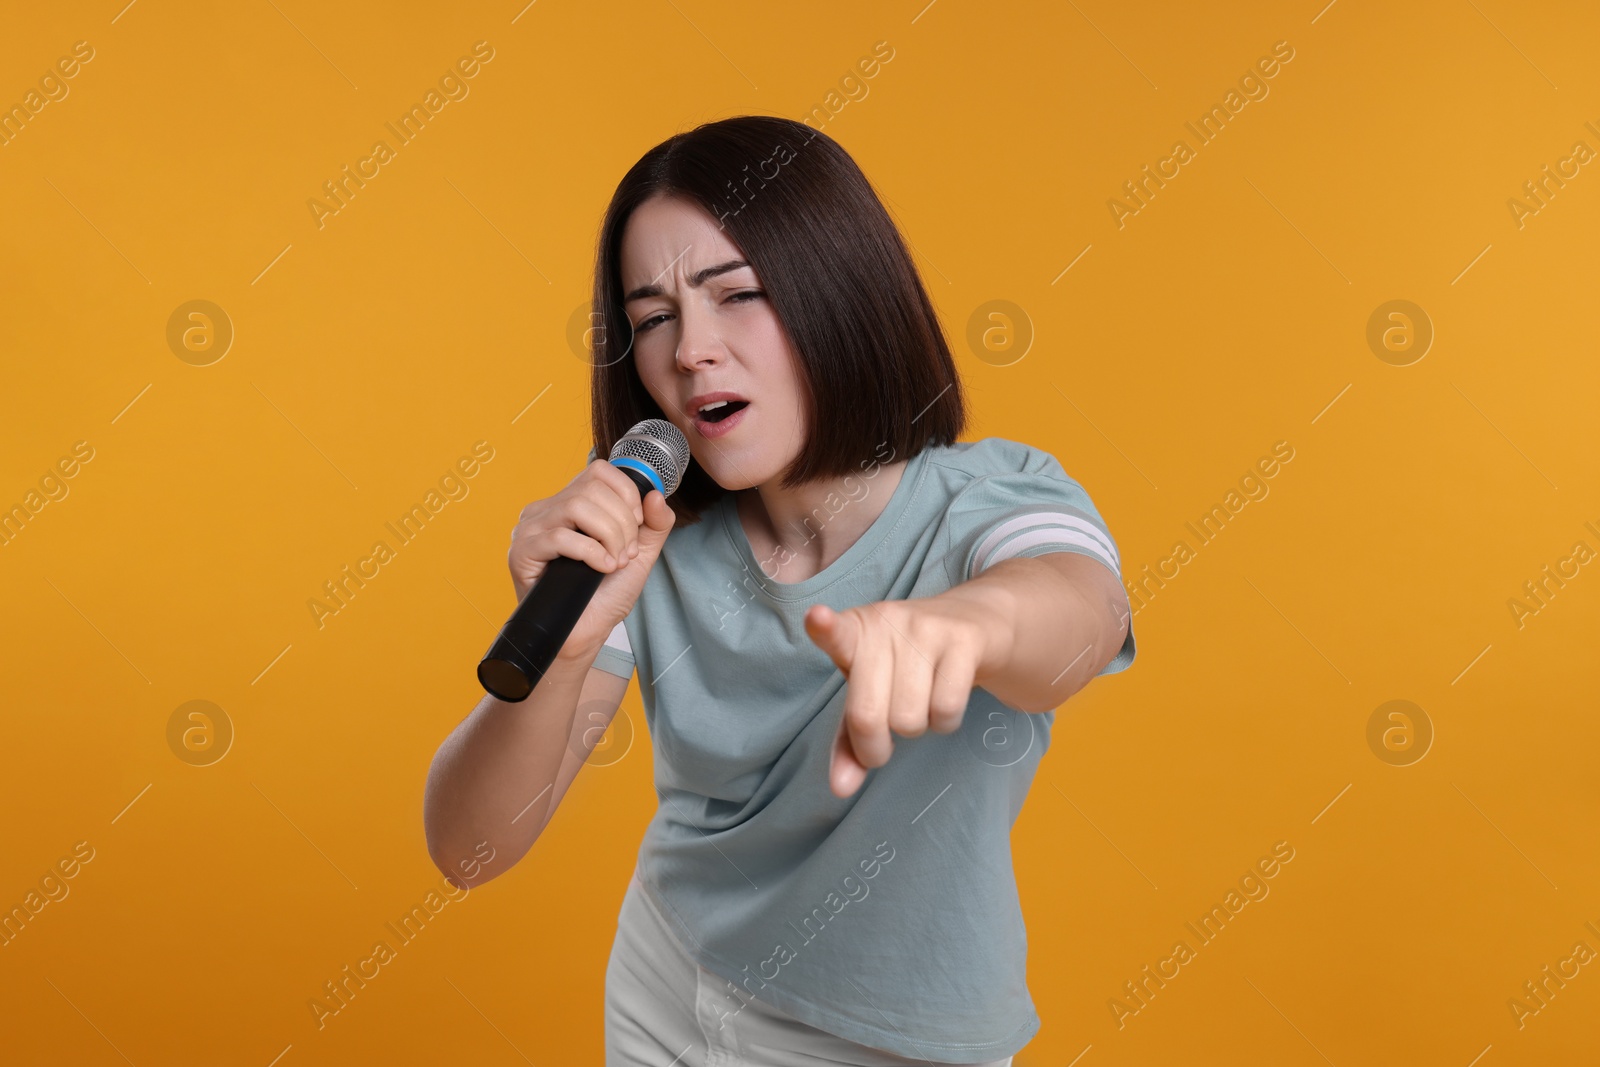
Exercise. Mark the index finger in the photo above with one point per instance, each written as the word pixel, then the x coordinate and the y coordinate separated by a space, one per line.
pixel 624 486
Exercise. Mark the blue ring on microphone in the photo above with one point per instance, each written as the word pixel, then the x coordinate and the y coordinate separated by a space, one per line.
pixel 643 468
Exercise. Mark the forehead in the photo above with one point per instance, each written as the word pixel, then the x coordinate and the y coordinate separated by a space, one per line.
pixel 666 237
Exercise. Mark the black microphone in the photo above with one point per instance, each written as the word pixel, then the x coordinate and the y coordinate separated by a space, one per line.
pixel 654 454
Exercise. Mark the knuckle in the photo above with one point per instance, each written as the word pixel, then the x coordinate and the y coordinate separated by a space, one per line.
pixel 905 715
pixel 911 725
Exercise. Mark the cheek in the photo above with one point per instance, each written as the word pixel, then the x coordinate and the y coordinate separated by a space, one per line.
pixel 778 366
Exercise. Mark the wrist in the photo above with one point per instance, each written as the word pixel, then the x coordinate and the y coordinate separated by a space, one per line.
pixel 994 608
pixel 575 657
pixel 562 675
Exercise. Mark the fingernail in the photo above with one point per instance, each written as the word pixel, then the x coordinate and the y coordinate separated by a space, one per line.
pixel 611 561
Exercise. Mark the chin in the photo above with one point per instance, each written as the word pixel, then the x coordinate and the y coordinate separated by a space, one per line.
pixel 737 476
pixel 733 484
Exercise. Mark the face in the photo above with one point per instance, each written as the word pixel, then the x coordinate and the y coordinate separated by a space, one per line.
pixel 702 324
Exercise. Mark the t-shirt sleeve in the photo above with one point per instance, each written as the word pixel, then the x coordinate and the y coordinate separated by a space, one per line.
pixel 616 655
pixel 1030 512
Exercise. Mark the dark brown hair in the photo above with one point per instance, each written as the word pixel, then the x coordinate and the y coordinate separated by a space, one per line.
pixel 837 274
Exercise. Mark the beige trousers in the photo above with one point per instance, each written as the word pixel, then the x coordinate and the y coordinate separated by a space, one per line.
pixel 665 1010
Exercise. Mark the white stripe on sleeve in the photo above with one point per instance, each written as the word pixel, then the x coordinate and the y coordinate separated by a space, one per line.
pixel 618 639
pixel 1047 527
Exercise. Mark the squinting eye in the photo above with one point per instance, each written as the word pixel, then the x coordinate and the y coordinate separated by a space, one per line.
pixel 744 297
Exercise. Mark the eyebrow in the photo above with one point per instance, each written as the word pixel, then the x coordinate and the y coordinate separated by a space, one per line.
pixel 695 280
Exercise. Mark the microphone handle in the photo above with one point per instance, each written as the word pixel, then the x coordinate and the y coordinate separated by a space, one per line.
pixel 540 625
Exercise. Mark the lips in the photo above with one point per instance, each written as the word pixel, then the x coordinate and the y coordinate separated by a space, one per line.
pixel 722 412
pixel 728 416
pixel 692 408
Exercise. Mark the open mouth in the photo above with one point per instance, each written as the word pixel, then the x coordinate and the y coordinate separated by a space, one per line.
pixel 722 411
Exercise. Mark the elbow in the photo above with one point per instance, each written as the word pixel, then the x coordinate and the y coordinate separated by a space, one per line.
pixel 440 842
pixel 453 879
pixel 467 870
pixel 442 861
pixel 463 864
pixel 1067 684
pixel 1041 704
pixel 457 878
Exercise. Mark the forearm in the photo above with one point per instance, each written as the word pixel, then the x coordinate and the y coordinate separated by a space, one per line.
pixel 1053 621
pixel 500 758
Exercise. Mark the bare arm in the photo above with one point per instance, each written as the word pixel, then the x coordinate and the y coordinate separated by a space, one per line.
pixel 498 777
pixel 502 772
pixel 1063 616
pixel 1030 630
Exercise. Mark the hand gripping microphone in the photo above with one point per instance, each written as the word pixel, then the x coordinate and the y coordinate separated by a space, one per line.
pixel 654 454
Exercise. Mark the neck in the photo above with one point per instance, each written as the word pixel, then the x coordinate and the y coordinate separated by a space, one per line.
pixel 796 533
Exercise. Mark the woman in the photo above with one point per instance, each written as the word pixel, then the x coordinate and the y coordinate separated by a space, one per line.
pixel 834 620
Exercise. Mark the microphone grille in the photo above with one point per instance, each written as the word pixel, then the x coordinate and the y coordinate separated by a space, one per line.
pixel 659 445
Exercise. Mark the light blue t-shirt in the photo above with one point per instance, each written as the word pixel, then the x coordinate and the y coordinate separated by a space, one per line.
pixel 890 917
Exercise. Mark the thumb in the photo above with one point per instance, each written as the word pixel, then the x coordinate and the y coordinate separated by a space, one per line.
pixel 659 518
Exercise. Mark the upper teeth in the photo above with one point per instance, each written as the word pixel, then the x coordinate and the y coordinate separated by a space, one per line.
pixel 713 404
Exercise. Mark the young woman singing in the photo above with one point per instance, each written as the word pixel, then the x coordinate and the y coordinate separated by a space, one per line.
pixel 849 628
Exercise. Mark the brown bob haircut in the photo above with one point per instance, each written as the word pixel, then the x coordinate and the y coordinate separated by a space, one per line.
pixel 837 274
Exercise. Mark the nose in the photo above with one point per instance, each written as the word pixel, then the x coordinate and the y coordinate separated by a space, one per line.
pixel 698 344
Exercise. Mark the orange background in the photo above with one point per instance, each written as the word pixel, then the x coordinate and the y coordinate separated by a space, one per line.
pixel 433 309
